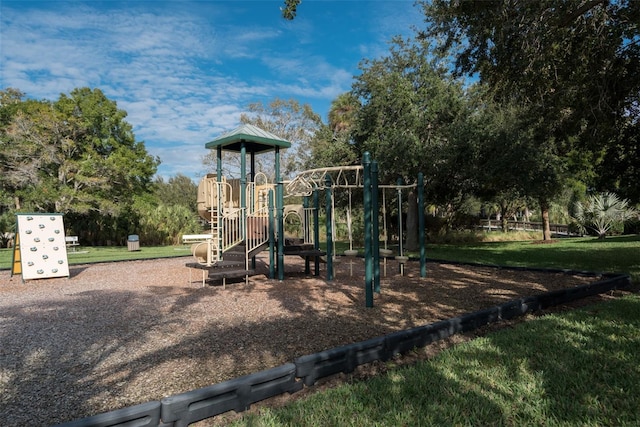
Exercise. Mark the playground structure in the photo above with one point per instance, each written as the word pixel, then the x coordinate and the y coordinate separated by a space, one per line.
pixel 246 215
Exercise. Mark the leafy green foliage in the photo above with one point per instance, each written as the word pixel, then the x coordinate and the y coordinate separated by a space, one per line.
pixel 620 168
pixel 77 156
pixel 571 66
pixel 331 144
pixel 74 155
pixel 290 9
pixel 165 224
pixel 7 229
pixel 603 211
pixel 409 105
pixel 177 190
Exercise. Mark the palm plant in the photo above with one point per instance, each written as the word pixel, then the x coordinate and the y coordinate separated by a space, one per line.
pixel 602 211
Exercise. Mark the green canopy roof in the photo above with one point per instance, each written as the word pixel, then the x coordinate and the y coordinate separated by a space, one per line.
pixel 256 140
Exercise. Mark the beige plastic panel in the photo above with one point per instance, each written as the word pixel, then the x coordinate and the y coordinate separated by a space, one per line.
pixel 43 251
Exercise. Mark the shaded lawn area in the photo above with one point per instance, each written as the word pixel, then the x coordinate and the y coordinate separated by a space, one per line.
pixel 613 254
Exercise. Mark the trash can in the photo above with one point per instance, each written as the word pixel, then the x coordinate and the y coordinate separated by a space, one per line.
pixel 133 242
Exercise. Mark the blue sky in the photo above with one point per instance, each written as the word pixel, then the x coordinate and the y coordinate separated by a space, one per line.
pixel 184 71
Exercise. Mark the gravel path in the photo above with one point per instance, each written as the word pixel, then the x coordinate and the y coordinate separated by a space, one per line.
pixel 117 334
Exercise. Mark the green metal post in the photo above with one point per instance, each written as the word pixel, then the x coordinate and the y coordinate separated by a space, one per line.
pixel 368 256
pixel 316 229
pixel 375 226
pixel 423 258
pixel 272 238
pixel 251 203
pixel 280 215
pixel 305 232
pixel 400 250
pixel 327 190
pixel 219 203
pixel 243 188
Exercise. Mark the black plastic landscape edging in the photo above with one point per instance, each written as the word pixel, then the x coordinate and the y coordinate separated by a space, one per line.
pixel 143 415
pixel 239 393
pixel 236 394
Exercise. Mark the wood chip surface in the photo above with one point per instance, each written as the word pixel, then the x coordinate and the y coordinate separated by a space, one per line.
pixel 118 334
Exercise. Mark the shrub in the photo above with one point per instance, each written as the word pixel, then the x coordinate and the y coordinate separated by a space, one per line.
pixel 603 213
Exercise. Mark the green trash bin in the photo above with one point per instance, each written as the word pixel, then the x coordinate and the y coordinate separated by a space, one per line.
pixel 133 242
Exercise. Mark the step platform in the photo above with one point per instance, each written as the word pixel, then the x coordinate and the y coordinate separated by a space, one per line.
pixel 222 270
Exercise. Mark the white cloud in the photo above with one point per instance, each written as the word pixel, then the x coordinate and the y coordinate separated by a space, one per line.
pixel 184 72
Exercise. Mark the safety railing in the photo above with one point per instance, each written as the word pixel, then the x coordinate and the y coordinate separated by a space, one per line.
pixel 258 196
pixel 308 225
pixel 257 229
pixel 231 229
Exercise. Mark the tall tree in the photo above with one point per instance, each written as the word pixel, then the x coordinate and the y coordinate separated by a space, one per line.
pixel 620 169
pixel 331 144
pixel 177 190
pixel 74 155
pixel 289 120
pixel 572 65
pixel 410 106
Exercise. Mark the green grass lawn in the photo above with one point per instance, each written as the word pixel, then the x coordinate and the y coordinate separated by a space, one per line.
pixel 89 254
pixel 578 368
pixel 613 254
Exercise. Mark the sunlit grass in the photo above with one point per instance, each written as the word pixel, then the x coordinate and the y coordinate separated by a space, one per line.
pixel 579 368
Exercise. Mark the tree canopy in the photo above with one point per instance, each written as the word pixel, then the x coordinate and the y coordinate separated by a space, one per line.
pixel 177 190
pixel 408 107
pixel 290 9
pixel 76 154
pixel 332 143
pixel 571 67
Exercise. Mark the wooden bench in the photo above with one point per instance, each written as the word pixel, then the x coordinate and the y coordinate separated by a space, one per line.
pixel 195 238
pixel 72 242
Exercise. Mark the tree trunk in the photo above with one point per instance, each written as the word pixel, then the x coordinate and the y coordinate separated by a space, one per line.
pixel 505 224
pixel 504 218
pixel 546 228
pixel 412 223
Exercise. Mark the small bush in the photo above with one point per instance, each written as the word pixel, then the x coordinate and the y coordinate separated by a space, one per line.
pixel 470 237
pixel 604 213
pixel 632 226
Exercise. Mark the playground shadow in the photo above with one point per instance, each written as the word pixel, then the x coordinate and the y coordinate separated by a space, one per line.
pixel 76 271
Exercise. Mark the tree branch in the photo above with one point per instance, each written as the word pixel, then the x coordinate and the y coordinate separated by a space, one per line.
pixel 586 6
